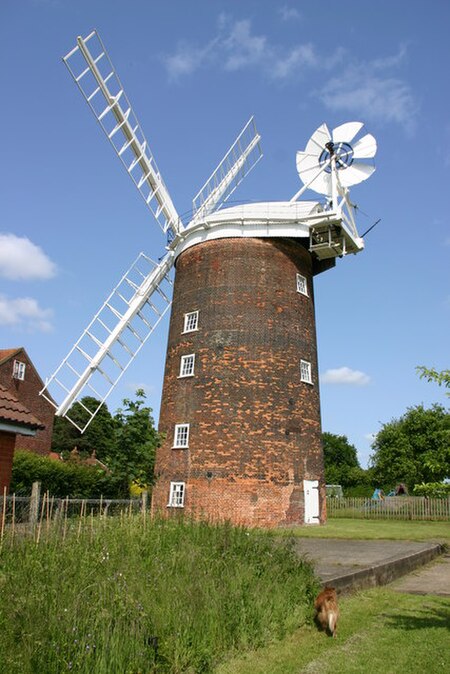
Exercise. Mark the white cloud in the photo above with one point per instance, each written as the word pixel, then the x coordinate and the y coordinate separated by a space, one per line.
pixel 236 47
pixel 22 260
pixel 243 48
pixel 369 90
pixel 24 312
pixel 188 58
pixel 289 13
pixel 298 58
pixel 372 90
pixel 344 375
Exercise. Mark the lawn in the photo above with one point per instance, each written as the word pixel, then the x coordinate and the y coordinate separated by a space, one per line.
pixel 379 631
pixel 376 530
pixel 127 596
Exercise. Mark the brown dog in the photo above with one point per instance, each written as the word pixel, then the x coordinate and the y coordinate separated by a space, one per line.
pixel 327 610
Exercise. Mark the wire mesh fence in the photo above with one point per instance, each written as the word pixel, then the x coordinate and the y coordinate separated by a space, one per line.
pixel 393 507
pixel 42 513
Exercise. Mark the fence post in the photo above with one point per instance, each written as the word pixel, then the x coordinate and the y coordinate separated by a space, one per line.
pixel 144 503
pixel 34 503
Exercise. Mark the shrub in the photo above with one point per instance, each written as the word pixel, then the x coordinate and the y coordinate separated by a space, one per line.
pixel 432 489
pixel 62 478
pixel 358 491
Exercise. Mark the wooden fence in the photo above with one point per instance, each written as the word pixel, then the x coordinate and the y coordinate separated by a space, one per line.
pixel 391 507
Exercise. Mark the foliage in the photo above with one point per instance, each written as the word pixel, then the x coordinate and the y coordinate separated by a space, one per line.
pixel 203 590
pixel 431 374
pixel 414 448
pixel 125 443
pixel 61 479
pixel 432 489
pixel 360 490
pixel 341 461
pixel 135 443
pixel 98 436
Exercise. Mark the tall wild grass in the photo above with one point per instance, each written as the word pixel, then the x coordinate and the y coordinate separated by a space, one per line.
pixel 133 596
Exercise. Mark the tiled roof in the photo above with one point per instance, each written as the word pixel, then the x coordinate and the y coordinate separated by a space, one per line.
pixel 6 354
pixel 12 411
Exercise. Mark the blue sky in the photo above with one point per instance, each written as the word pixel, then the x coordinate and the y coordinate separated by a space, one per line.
pixel 71 221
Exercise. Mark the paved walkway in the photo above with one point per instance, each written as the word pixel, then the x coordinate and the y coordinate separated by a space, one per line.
pixel 353 565
pixel 434 578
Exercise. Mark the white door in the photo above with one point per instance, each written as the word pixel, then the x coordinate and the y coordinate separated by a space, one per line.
pixel 311 491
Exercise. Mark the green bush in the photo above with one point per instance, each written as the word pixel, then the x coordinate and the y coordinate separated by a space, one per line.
pixel 61 478
pixel 358 491
pixel 432 489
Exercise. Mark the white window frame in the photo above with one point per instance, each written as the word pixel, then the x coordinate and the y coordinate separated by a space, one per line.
pixel 187 365
pixel 176 495
pixel 190 321
pixel 19 370
pixel 305 372
pixel 181 436
pixel 302 284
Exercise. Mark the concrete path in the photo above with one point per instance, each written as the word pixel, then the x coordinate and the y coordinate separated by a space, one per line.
pixel 434 578
pixel 353 565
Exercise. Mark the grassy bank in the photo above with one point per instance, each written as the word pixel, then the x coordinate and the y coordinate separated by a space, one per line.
pixel 376 529
pixel 379 631
pixel 95 601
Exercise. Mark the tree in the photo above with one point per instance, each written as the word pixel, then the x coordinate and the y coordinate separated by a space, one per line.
pixel 341 461
pixel 99 435
pixel 125 443
pixel 431 374
pixel 414 448
pixel 136 440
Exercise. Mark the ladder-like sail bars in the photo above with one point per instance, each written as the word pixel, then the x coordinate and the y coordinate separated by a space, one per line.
pixel 93 72
pixel 112 340
pixel 242 156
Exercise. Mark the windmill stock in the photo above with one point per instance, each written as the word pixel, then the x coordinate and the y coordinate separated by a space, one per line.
pixel 240 403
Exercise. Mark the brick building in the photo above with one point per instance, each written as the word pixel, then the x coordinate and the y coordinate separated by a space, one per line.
pixel 19 376
pixel 15 420
pixel 240 404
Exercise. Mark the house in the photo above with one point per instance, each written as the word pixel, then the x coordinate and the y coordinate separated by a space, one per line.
pixel 19 376
pixel 15 420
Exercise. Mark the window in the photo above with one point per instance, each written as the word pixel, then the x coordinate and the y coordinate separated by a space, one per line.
pixel 176 496
pixel 302 286
pixel 187 365
pixel 191 321
pixel 305 371
pixel 181 436
pixel 19 370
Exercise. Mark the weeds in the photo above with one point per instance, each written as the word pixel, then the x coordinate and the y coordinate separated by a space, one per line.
pixel 129 596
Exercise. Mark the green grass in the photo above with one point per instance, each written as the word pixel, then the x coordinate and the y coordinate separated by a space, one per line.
pixel 380 631
pixel 375 530
pixel 93 602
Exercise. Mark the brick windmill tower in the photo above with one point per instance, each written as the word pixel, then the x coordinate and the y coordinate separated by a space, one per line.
pixel 240 405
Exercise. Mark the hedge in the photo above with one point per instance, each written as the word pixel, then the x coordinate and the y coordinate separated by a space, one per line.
pixel 62 478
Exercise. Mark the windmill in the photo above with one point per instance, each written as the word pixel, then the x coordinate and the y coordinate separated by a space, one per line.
pixel 240 404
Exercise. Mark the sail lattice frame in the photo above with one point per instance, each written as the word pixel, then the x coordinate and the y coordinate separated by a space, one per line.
pixel 112 340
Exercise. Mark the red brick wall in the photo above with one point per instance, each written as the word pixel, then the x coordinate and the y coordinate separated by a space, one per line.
pixel 7 442
pixel 255 431
pixel 27 391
